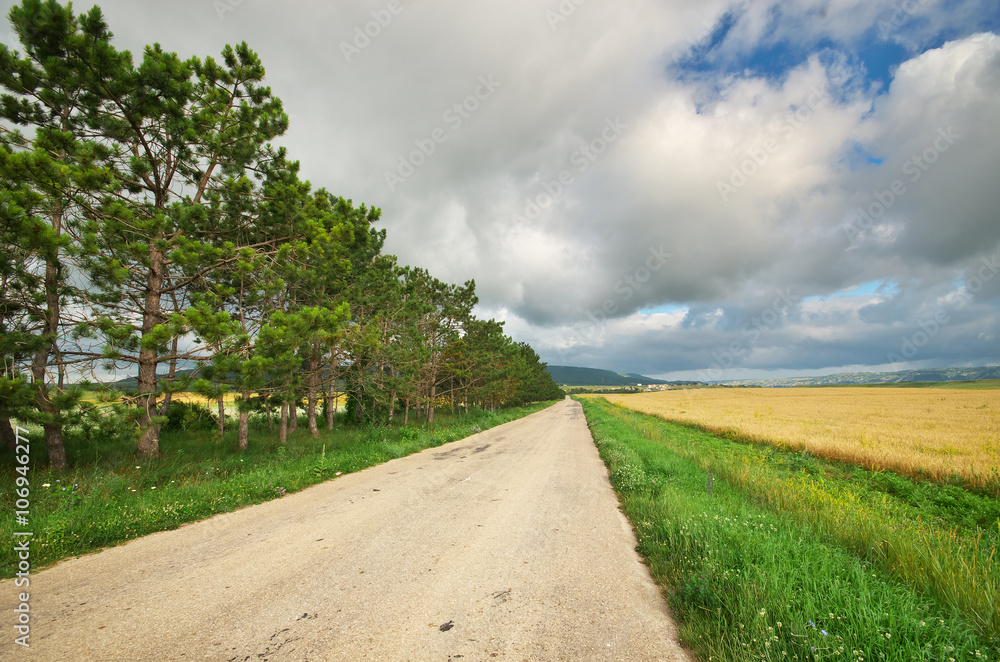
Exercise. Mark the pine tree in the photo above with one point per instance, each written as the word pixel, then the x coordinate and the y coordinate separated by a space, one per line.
pixel 188 146
pixel 48 172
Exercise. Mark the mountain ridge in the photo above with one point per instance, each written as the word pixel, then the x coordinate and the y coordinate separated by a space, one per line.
pixel 575 376
pixel 579 376
pixel 847 378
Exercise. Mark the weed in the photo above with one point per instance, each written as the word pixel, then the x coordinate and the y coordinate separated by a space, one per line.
pixel 782 563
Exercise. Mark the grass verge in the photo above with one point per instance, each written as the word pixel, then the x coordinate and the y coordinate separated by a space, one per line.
pixel 109 497
pixel 763 558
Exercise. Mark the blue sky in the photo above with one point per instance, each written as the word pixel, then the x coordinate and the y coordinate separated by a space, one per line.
pixel 722 189
pixel 878 48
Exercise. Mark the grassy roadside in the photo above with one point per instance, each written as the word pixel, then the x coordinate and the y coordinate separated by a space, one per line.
pixel 777 558
pixel 115 498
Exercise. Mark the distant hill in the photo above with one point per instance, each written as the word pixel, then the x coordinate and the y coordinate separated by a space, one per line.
pixel 848 378
pixel 571 376
pixel 131 384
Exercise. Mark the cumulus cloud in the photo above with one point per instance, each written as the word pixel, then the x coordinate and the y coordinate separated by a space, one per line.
pixel 632 187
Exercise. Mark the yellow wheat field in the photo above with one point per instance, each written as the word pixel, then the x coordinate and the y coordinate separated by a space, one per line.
pixel 940 432
pixel 195 398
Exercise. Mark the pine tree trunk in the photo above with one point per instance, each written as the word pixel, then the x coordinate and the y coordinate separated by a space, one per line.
pixel 222 415
pixel 392 405
pixel 283 427
pixel 293 416
pixel 244 436
pixel 53 431
pixel 54 445
pixel 432 377
pixel 149 440
pixel 406 413
pixel 40 361
pixel 331 405
pixel 430 404
pixel 313 393
pixel 8 435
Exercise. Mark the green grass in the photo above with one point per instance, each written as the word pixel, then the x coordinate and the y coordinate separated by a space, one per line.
pixel 786 557
pixel 108 497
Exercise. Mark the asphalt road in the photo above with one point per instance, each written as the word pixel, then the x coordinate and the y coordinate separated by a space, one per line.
pixel 506 545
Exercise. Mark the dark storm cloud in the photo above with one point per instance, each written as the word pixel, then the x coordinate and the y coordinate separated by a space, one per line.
pixel 621 211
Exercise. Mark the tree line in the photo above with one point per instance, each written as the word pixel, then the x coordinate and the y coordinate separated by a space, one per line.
pixel 150 225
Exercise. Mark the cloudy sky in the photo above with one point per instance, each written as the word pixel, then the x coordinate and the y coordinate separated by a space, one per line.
pixel 683 189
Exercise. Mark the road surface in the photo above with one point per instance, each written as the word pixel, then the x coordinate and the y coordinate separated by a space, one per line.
pixel 506 545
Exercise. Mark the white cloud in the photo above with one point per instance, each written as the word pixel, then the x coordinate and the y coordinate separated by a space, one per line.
pixel 803 145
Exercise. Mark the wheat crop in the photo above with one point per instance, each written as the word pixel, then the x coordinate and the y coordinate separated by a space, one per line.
pixel 938 433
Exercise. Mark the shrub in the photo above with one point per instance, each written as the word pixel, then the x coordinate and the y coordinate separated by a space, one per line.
pixel 190 416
